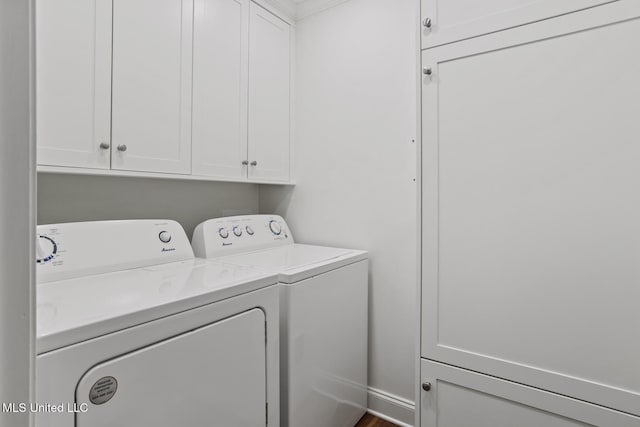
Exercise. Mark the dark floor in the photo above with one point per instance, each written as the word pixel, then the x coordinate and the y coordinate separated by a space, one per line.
pixel 370 421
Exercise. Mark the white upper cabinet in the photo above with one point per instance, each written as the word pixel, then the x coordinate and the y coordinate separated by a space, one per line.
pixel 73 81
pixel 220 78
pixel 446 21
pixel 152 62
pixel 531 205
pixel 269 96
pixel 196 88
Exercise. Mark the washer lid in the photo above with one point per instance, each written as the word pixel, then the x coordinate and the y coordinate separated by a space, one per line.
pixel 76 310
pixel 297 262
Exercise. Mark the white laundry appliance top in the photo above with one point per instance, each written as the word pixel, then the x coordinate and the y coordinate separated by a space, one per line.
pixel 266 242
pixel 96 278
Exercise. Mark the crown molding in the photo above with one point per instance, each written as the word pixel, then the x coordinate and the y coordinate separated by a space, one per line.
pixel 292 11
pixel 285 9
pixel 307 8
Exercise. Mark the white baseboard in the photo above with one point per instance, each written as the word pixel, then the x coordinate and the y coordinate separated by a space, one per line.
pixel 390 407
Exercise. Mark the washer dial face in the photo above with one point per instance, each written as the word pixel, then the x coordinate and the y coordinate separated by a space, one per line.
pixel 275 227
pixel 237 231
pixel 223 232
pixel 46 249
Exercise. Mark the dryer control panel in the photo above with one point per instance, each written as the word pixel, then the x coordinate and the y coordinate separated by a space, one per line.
pixel 66 251
pixel 234 234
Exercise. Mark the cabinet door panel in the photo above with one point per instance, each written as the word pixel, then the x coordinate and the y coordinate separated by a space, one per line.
pixel 453 20
pixel 531 206
pixel 463 398
pixel 220 68
pixel 73 82
pixel 152 52
pixel 269 96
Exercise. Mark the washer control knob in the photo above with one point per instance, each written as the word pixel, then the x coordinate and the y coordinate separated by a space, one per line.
pixel 46 249
pixel 164 236
pixel 275 227
pixel 237 231
pixel 223 233
pixel 249 230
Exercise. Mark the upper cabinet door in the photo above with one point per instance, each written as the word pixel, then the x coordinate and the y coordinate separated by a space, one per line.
pixel 73 80
pixel 152 62
pixel 446 21
pixel 530 205
pixel 269 96
pixel 220 78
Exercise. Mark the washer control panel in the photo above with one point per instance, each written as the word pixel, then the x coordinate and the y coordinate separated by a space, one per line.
pixel 234 234
pixel 65 251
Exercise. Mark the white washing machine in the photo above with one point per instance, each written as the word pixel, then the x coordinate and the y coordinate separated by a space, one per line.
pixel 133 331
pixel 323 322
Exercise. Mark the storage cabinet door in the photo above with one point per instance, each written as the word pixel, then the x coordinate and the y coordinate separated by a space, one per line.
pixel 452 20
pixel 460 398
pixel 531 238
pixel 152 53
pixel 73 82
pixel 269 96
pixel 220 68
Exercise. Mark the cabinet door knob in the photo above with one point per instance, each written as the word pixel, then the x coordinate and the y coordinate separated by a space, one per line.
pixel 426 71
pixel 426 386
pixel 245 162
pixel 122 147
pixel 254 163
pixel 105 145
pixel 426 22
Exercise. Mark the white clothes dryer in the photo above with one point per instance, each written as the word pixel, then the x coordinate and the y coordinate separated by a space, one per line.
pixel 133 331
pixel 323 307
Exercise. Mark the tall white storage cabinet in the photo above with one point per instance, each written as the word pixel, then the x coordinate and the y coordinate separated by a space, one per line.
pixel 220 81
pixel 152 63
pixel 73 79
pixel 529 225
pixel 269 96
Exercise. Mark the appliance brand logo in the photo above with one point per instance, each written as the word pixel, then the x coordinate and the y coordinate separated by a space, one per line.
pixel 168 250
pixel 227 244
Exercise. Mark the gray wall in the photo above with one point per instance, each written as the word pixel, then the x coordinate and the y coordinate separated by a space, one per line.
pixel 355 169
pixel 68 198
pixel 17 179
